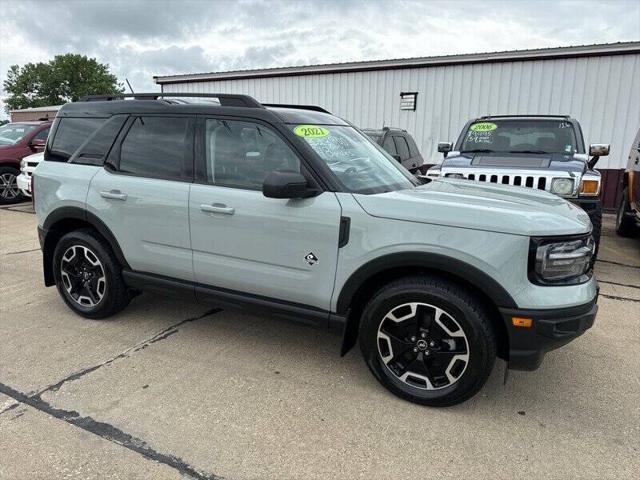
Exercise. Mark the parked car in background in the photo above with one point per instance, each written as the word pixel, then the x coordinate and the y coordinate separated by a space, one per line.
pixel 18 140
pixel 628 212
pixel 545 152
pixel 399 144
pixel 27 166
pixel 292 211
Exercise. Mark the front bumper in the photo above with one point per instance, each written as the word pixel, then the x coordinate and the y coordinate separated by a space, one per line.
pixel 24 184
pixel 550 329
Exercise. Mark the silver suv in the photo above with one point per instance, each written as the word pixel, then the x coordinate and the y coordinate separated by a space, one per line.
pixel 293 211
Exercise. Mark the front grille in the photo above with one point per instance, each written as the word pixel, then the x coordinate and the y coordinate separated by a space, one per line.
pixel 531 181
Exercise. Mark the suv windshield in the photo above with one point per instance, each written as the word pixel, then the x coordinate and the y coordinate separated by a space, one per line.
pixel 360 165
pixel 12 133
pixel 521 136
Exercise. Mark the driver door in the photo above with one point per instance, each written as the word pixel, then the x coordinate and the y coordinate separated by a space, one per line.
pixel 283 249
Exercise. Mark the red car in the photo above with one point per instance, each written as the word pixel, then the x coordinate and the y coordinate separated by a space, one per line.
pixel 17 140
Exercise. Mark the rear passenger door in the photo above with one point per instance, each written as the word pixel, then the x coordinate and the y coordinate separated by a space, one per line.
pixel 245 242
pixel 142 193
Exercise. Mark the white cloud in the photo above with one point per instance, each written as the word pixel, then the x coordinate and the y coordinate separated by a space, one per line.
pixel 139 39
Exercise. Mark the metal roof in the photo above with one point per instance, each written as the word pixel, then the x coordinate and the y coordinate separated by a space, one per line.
pixel 51 108
pixel 619 48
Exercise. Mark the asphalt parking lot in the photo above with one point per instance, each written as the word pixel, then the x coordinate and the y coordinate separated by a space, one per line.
pixel 169 389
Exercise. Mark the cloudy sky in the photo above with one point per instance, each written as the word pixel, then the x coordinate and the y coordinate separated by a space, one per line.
pixel 140 39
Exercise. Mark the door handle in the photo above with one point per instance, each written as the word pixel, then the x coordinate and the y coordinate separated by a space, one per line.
pixel 113 195
pixel 217 208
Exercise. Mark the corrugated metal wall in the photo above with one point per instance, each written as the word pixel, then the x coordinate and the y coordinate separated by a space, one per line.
pixel 603 93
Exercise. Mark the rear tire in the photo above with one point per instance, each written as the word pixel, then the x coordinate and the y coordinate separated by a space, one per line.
pixel 9 191
pixel 88 275
pixel 428 340
pixel 625 224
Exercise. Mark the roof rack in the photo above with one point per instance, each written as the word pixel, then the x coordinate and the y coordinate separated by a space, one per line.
pixel 225 99
pixel 315 108
pixel 528 116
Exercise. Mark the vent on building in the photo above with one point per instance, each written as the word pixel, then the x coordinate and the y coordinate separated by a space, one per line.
pixel 408 100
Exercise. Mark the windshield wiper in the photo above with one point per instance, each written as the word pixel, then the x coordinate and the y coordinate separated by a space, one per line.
pixel 478 150
pixel 527 151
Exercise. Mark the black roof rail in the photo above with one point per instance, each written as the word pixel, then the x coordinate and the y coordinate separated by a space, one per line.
pixel 315 108
pixel 225 99
pixel 567 117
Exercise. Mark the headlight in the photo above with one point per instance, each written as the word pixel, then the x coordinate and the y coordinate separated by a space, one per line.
pixel 454 175
pixel 23 163
pixel 590 187
pixel 562 186
pixel 561 261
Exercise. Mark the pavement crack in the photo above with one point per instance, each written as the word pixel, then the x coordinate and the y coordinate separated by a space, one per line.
pixel 22 251
pixel 167 332
pixel 619 264
pixel 622 299
pixel 108 432
pixel 619 284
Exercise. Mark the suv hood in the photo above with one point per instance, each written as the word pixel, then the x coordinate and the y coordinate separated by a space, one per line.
pixel 480 206
pixel 527 161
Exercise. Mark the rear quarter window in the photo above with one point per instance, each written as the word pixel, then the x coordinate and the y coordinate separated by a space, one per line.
pixel 69 134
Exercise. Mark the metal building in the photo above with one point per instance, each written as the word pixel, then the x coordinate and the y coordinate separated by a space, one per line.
pixel 597 84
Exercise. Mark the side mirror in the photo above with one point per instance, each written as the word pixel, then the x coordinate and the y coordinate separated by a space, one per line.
pixel 397 157
pixel 599 149
pixel 445 147
pixel 37 143
pixel 286 184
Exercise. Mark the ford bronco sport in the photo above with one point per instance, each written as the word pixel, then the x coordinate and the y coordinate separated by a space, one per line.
pixel 293 211
pixel 537 151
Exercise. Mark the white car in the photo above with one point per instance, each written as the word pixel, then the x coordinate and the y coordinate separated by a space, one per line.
pixel 27 166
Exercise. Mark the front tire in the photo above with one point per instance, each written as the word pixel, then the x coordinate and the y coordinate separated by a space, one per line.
pixel 428 340
pixel 88 275
pixel 9 191
pixel 625 223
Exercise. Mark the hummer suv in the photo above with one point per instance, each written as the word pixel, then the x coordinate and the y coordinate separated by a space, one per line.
pixel 544 152
pixel 292 211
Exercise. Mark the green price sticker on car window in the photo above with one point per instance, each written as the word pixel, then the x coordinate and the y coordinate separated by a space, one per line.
pixel 483 127
pixel 310 131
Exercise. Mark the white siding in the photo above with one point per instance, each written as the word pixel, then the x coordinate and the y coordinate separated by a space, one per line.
pixel 602 92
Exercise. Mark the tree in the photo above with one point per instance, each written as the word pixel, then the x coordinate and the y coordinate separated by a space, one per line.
pixel 64 79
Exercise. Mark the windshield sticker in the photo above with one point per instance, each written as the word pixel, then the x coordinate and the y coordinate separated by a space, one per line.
pixel 483 127
pixel 564 125
pixel 480 137
pixel 310 131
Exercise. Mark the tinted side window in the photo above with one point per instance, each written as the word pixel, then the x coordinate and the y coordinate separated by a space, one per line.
pixel 158 147
pixel 241 154
pixel 41 135
pixel 403 148
pixel 413 148
pixel 389 145
pixel 70 134
pixel 97 146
